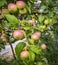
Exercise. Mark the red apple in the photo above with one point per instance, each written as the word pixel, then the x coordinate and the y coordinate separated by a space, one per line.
pixel 24 54
pixel 18 34
pixel 36 36
pixel 20 4
pixel 12 7
pixel 43 46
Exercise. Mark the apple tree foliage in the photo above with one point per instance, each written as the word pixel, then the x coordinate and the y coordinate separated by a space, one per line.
pixel 37 16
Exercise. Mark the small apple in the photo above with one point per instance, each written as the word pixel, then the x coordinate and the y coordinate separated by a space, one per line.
pixel 20 4
pixel 43 46
pixel 23 11
pixel 24 54
pixel 18 34
pixel 44 27
pixel 36 36
pixel 46 22
pixel 12 7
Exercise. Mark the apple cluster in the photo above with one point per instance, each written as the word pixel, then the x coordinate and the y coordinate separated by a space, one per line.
pixel 18 6
pixel 19 34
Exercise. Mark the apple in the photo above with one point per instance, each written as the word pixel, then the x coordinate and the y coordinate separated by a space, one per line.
pixel 12 7
pixel 46 22
pixel 44 27
pixel 24 54
pixel 18 34
pixel 36 36
pixel 43 46
pixel 23 11
pixel 20 4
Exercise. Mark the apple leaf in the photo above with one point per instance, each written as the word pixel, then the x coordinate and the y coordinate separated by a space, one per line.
pixel 35 49
pixel 39 63
pixel 27 28
pixel 2 2
pixel 41 18
pixel 12 19
pixel 19 48
pixel 31 56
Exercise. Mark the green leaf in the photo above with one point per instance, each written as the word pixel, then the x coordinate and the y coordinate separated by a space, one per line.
pixel 29 9
pixel 33 1
pixel 39 27
pixel 31 56
pixel 12 19
pixel 40 63
pixel 22 22
pixel 19 48
pixel 6 24
pixel 27 28
pixel 41 18
pixel 35 49
pixel 31 41
pixel 42 9
pixel 2 2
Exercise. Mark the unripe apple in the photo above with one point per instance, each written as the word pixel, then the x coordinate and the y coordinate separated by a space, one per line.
pixel 43 28
pixel 43 46
pixel 24 54
pixel 36 36
pixel 20 4
pixel 18 34
pixel 23 11
pixel 12 7
pixel 46 22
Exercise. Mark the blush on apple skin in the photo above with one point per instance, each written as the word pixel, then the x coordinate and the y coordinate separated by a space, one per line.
pixel 43 46
pixel 18 34
pixel 24 54
pixel 36 36
pixel 20 4
pixel 12 7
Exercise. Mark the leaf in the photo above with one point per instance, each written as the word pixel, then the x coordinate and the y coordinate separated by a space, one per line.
pixel 35 49
pixel 39 27
pixel 27 28
pixel 2 2
pixel 31 41
pixel 32 1
pixel 41 18
pixel 6 24
pixel 22 22
pixel 19 48
pixel 12 19
pixel 29 9
pixel 31 56
pixel 42 9
pixel 40 63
